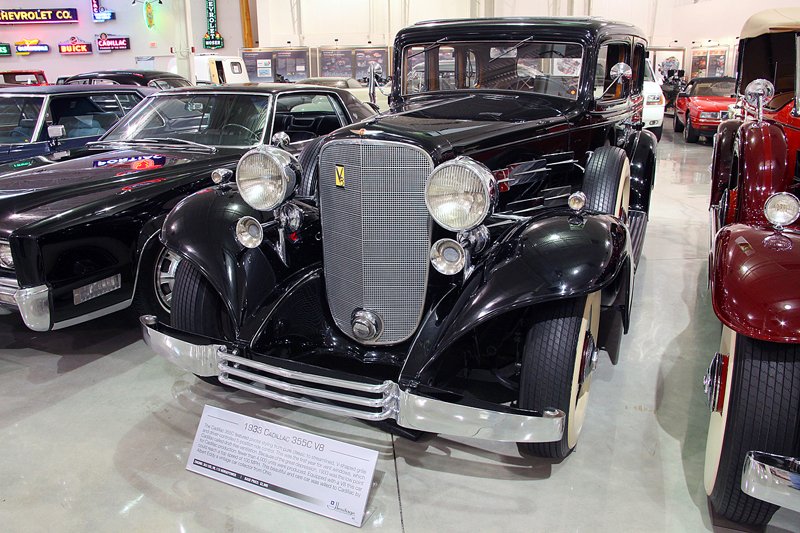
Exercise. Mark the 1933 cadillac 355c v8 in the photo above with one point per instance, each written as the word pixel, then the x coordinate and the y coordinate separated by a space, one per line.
pixel 452 266
pixel 753 383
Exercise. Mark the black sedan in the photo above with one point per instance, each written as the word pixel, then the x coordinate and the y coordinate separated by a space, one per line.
pixel 157 79
pixel 85 113
pixel 79 237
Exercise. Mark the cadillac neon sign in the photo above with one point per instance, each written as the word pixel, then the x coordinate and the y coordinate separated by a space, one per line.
pixel 109 43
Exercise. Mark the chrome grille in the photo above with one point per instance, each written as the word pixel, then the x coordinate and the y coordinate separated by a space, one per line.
pixel 376 233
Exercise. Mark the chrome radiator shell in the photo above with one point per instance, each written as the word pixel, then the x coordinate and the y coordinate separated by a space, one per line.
pixel 376 233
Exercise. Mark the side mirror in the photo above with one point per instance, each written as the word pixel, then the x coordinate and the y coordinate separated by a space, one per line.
pixel 621 71
pixel 56 131
pixel 281 140
pixel 683 94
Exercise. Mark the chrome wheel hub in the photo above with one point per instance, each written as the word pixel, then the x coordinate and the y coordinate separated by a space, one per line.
pixel 714 382
pixel 164 277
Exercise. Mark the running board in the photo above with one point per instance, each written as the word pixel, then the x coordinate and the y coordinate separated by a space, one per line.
pixel 637 224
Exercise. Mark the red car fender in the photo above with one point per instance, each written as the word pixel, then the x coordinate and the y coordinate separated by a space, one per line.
pixel 722 159
pixel 755 282
pixel 762 169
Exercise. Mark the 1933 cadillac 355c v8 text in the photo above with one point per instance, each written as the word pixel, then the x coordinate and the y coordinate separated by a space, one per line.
pixel 452 266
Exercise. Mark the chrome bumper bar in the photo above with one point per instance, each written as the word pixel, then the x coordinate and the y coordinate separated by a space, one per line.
pixel 367 401
pixel 772 478
pixel 33 303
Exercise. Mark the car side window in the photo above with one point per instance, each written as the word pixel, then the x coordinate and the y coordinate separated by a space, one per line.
pixel 128 101
pixel 82 115
pixel 304 116
pixel 638 67
pixel 77 82
pixel 103 82
pixel 605 86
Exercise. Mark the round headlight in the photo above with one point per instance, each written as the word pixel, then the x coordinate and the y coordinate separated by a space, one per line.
pixel 266 177
pixel 781 209
pixel 460 194
pixel 759 88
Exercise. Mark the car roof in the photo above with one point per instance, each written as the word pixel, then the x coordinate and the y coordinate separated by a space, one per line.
pixel 144 74
pixel 256 88
pixel 593 25
pixel 771 21
pixel 63 89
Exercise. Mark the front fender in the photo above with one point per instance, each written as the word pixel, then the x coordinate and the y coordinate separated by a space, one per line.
pixel 201 229
pixel 754 282
pixel 547 259
pixel 641 150
pixel 763 169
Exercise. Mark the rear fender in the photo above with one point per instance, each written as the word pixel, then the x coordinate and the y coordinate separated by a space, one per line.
pixel 641 150
pixel 763 169
pixel 546 259
pixel 754 282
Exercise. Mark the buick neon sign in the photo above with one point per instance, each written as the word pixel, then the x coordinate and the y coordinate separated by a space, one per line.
pixel 74 47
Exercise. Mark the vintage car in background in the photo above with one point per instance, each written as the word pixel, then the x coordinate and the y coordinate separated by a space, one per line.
pixel 752 461
pixel 79 237
pixel 702 105
pixel 22 77
pixel 50 120
pixel 452 266
pixel 654 102
pixel 156 79
pixel 359 90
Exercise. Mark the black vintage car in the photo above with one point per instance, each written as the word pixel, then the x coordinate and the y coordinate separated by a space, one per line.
pixel 452 266
pixel 78 237
pixel 83 114
pixel 157 79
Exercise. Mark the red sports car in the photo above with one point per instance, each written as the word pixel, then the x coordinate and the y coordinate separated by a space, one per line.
pixel 702 106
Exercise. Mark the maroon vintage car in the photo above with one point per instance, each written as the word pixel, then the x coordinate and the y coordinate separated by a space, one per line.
pixel 753 383
pixel 701 107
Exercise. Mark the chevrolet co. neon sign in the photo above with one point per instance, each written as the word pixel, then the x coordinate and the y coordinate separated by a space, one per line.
pixel 55 15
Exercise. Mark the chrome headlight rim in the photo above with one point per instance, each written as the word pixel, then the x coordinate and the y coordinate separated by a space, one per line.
pixel 488 186
pixel 777 197
pixel 6 258
pixel 287 177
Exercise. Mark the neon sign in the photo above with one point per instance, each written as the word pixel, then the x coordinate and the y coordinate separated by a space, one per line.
pixel 55 15
pixel 109 43
pixel 101 14
pixel 5 49
pixel 212 39
pixel 30 46
pixel 74 47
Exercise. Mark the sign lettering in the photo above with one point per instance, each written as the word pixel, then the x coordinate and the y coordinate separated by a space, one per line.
pixel 109 43
pixel 39 16
pixel 212 39
pixel 29 46
pixel 101 14
pixel 74 46
pixel 5 49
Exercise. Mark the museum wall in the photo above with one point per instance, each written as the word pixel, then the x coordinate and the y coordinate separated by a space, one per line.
pixel 168 31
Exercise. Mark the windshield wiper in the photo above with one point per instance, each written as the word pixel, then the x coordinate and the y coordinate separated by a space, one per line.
pixel 507 50
pixel 427 48
pixel 171 140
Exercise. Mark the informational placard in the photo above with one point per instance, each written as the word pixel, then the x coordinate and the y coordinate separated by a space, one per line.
pixel 336 63
pixel 290 65
pixel 314 473
pixel 365 56
pixel 258 63
pixel 50 15
pixel 74 47
pixel 110 43
pixel 5 49
pixel 212 39
pixel 100 13
pixel 30 46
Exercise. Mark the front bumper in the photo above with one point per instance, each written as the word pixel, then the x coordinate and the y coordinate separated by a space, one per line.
pixel 346 397
pixel 33 303
pixel 653 116
pixel 772 478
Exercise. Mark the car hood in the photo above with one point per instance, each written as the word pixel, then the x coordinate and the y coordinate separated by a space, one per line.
pixel 102 181
pixel 712 103
pixel 461 125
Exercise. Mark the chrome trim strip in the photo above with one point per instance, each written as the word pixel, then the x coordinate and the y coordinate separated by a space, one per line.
pixel 200 360
pixel 772 478
pixel 408 409
pixel 94 314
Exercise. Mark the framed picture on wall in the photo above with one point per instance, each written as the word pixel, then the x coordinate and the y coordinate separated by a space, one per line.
pixel 666 59
pixel 699 63
pixel 717 58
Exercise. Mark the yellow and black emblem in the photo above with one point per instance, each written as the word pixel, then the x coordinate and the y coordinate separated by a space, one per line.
pixel 339 175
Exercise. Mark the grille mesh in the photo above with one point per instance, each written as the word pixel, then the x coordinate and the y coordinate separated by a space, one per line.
pixel 375 233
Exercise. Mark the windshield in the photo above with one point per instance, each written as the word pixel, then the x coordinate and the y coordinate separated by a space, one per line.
pixel 529 66
pixel 18 118
pixel 724 88
pixel 211 119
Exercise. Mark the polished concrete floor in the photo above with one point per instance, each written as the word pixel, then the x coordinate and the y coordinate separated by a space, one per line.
pixel 96 430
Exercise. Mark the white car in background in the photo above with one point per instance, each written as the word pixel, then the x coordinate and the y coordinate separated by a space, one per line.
pixel 653 112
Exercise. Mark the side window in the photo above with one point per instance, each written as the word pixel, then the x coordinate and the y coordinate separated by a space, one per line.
pixel 98 81
pixel 236 67
pixel 128 101
pixel 306 116
pixel 638 67
pixel 605 86
pixel 82 116
pixel 415 67
pixel 77 82
pixel 107 102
